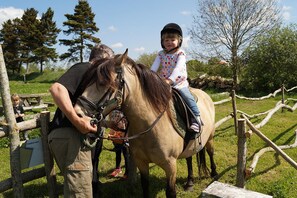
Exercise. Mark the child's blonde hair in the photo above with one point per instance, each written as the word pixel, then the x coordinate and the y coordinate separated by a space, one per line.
pixel 15 97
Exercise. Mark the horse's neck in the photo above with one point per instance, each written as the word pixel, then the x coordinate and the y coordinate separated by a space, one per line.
pixel 139 111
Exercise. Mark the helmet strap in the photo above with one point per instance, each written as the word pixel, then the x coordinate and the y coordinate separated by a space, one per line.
pixel 167 52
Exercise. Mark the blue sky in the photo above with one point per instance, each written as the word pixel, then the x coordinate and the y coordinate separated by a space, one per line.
pixel 131 24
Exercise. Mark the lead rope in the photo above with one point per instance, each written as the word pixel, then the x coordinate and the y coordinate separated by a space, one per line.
pixel 138 134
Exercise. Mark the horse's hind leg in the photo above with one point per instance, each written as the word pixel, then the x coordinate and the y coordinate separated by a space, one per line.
pixel 190 180
pixel 210 150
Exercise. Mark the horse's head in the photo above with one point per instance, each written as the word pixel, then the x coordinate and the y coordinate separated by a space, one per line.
pixel 99 83
pixel 121 78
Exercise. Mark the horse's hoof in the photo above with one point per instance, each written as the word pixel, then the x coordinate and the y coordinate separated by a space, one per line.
pixel 188 188
pixel 214 176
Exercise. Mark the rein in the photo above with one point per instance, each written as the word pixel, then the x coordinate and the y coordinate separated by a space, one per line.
pixel 119 97
pixel 140 133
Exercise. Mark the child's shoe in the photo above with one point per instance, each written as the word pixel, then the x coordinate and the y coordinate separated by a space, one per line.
pixel 116 172
pixel 196 125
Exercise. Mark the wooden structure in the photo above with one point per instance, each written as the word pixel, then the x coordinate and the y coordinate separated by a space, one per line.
pixel 12 130
pixel 48 169
pixel 31 99
pixel 221 190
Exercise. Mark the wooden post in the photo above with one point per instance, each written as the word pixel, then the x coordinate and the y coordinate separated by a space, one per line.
pixel 241 154
pixel 234 110
pixel 15 164
pixel 47 156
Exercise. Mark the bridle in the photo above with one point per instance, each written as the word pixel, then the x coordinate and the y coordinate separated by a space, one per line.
pixel 107 104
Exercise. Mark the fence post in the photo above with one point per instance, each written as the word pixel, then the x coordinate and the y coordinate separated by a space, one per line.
pixel 15 164
pixel 233 95
pixel 241 154
pixel 47 156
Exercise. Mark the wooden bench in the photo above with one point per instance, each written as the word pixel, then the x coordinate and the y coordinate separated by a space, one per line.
pixel 31 99
pixel 221 190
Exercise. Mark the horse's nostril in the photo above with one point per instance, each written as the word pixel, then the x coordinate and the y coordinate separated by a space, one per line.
pixel 80 115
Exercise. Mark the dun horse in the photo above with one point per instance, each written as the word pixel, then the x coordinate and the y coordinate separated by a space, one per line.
pixel 145 100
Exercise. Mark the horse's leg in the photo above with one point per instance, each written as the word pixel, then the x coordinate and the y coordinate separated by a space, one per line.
pixel 170 170
pixel 190 179
pixel 95 162
pixel 210 150
pixel 144 177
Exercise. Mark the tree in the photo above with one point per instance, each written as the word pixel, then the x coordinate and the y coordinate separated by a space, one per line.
pixel 47 39
pixel 147 59
pixel 9 36
pixel 272 60
pixel 224 28
pixel 81 24
pixel 29 34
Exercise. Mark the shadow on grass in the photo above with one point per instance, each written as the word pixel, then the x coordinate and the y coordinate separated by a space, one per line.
pixel 34 190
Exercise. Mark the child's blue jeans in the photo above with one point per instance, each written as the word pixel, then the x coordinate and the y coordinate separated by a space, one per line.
pixel 190 100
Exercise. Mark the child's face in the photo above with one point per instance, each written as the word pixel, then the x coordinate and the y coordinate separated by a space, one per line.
pixel 16 101
pixel 170 43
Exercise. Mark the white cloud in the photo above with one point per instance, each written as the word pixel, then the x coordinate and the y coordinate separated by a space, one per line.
pixel 10 13
pixel 112 28
pixel 286 8
pixel 286 16
pixel 186 13
pixel 286 13
pixel 117 45
pixel 139 49
pixel 186 41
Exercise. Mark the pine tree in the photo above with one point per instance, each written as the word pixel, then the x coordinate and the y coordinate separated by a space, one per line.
pixel 9 36
pixel 82 26
pixel 47 39
pixel 29 36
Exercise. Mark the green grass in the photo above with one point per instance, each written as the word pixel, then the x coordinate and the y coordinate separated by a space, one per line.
pixel 273 175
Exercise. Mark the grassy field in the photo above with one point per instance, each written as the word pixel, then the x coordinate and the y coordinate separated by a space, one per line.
pixel 273 175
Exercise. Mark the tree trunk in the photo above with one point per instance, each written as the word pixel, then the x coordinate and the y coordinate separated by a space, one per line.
pixel 13 131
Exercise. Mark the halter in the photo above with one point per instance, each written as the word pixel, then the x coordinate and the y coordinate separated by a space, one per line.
pixel 119 98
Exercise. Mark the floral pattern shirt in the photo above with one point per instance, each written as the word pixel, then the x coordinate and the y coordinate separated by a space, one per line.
pixel 173 67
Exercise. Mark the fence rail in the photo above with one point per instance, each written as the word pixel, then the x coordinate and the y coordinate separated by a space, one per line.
pixel 47 170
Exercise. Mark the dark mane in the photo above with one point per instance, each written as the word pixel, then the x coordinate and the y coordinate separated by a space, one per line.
pixel 91 75
pixel 155 89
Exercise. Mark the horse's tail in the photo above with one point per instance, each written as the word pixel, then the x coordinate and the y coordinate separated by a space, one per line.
pixel 201 162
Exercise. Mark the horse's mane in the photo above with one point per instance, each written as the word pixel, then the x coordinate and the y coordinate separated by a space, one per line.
pixel 155 89
pixel 90 76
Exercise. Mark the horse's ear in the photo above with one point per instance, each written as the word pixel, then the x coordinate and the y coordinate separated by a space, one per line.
pixel 122 59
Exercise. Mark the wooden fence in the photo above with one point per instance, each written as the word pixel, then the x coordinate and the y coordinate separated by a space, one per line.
pixel 12 130
pixel 47 170
pixel 242 172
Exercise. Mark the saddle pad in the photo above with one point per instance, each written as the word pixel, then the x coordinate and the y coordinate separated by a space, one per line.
pixel 180 117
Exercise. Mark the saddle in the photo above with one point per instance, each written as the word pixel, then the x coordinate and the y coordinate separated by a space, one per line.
pixel 181 116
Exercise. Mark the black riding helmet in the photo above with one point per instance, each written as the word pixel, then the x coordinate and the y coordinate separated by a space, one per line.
pixel 172 28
